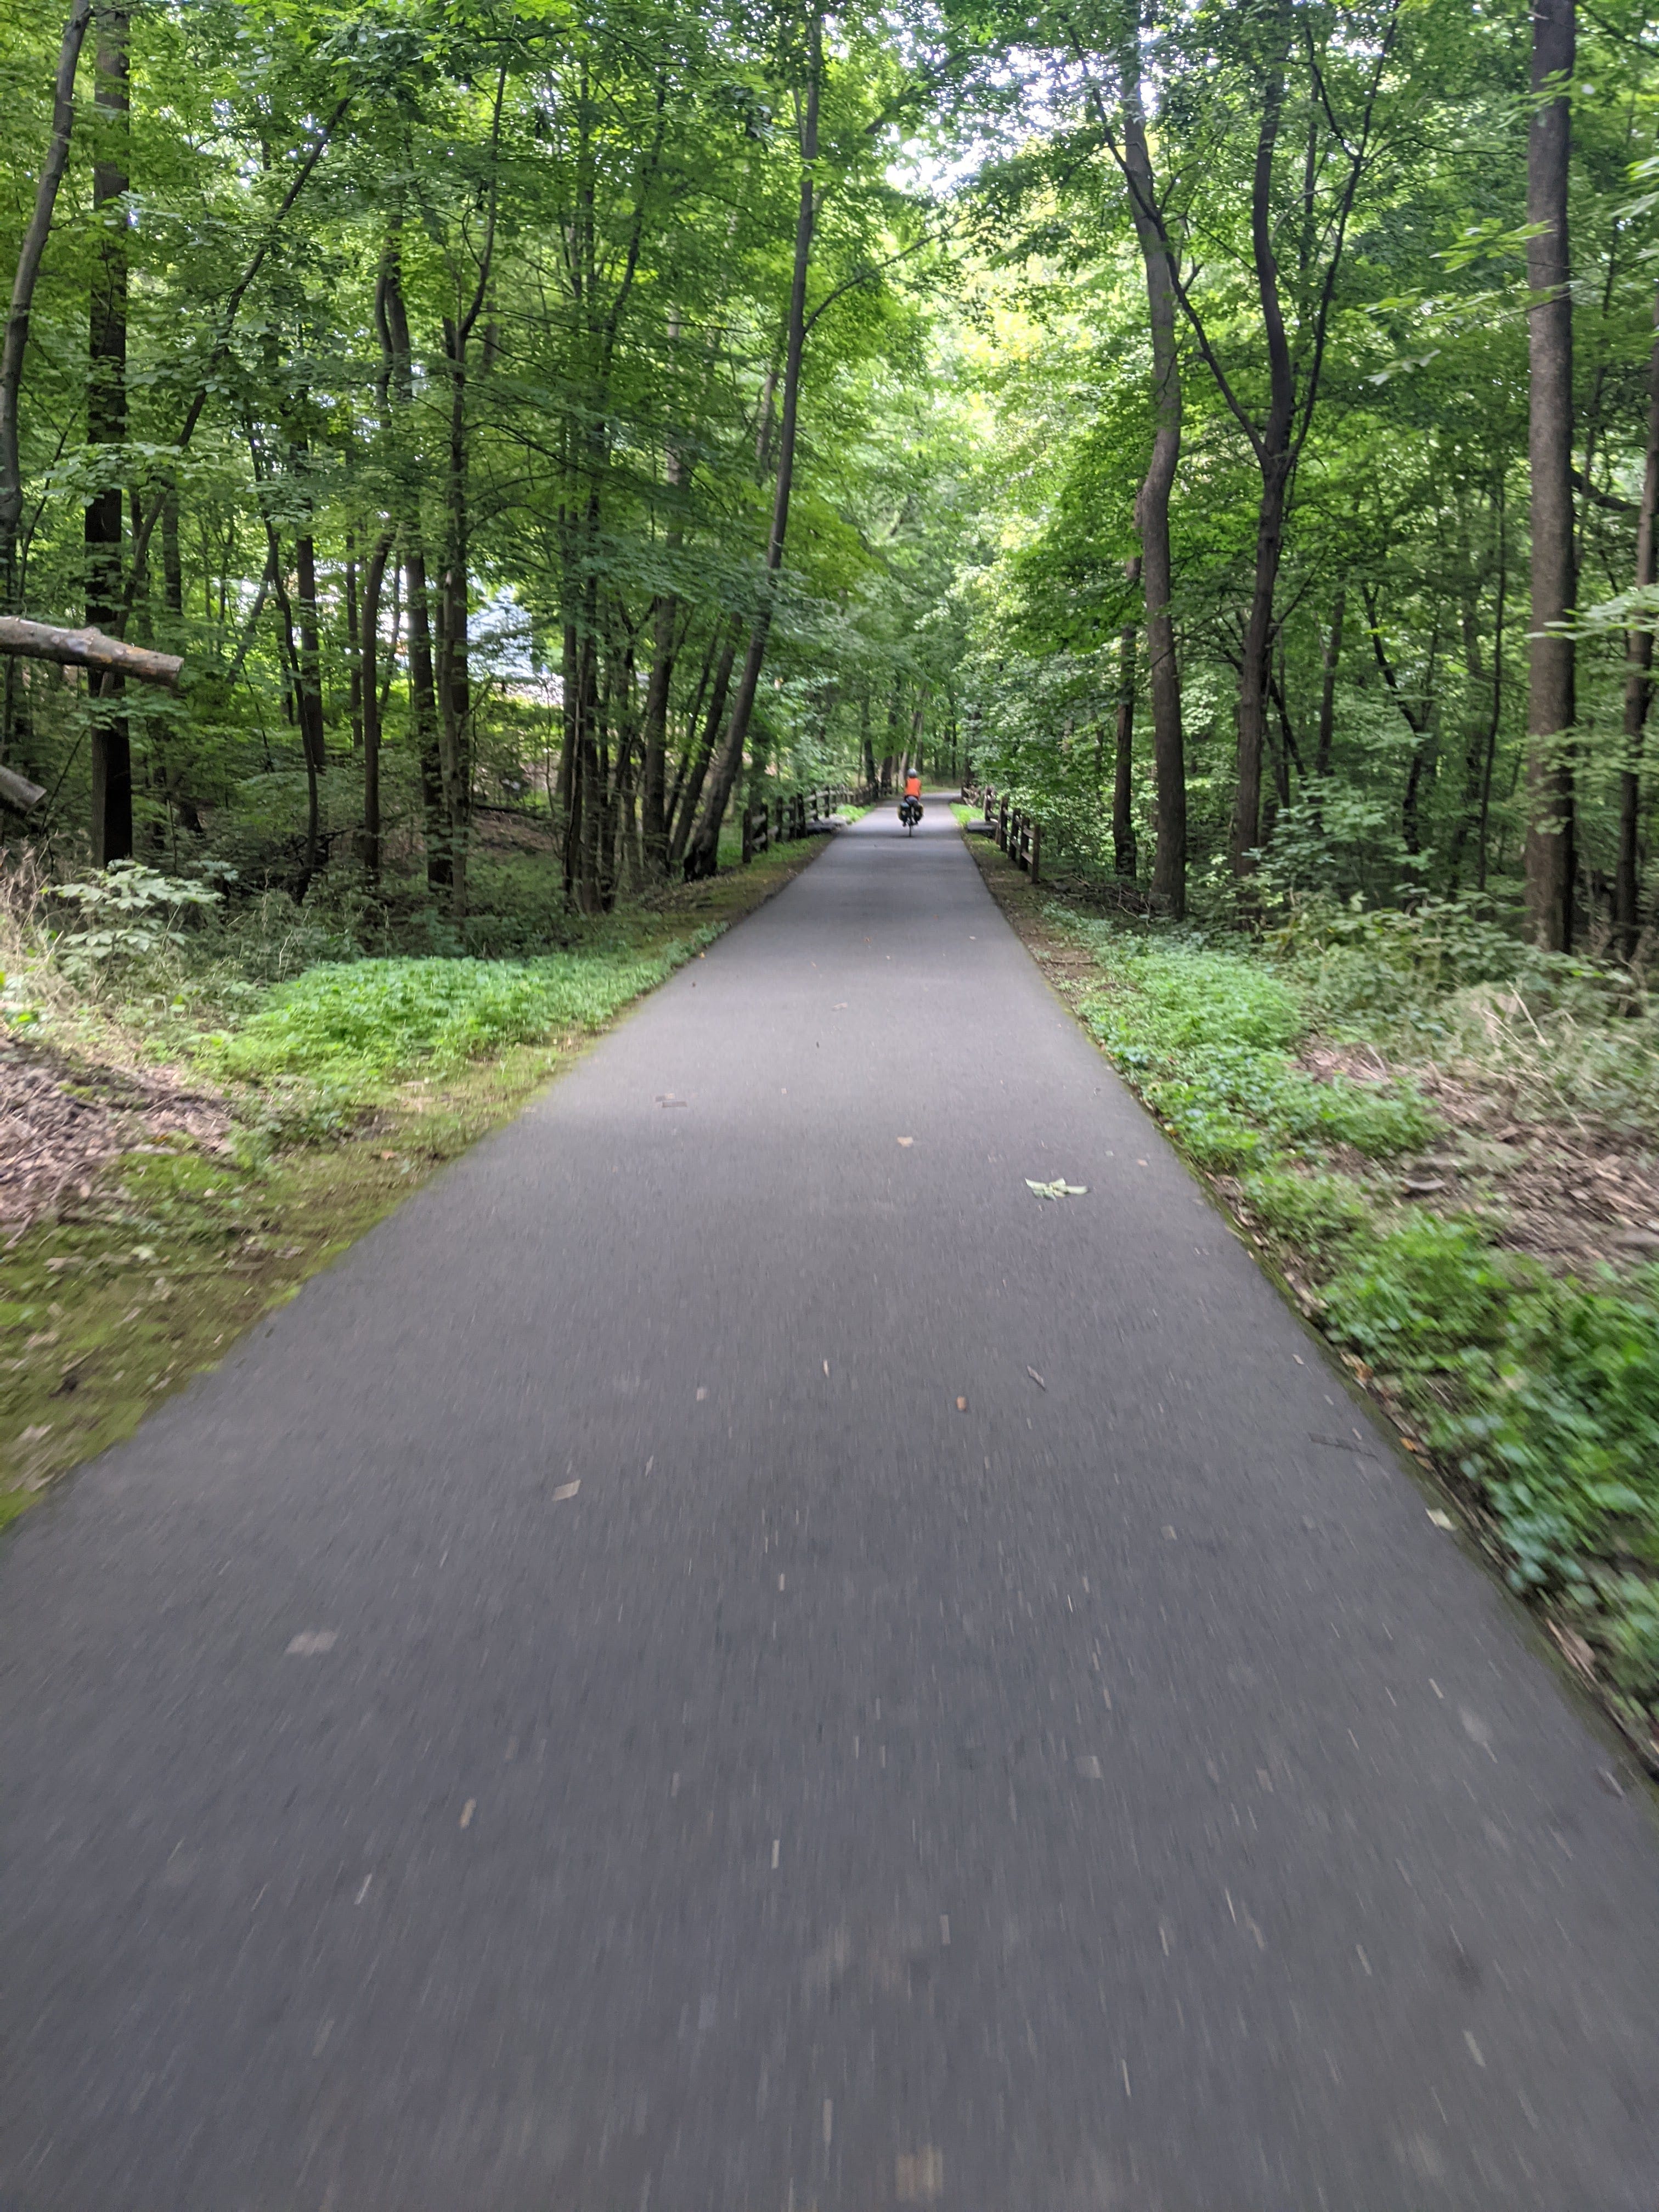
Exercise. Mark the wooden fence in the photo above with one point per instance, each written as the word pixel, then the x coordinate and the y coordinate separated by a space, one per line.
pixel 1023 838
pixel 1019 835
pixel 775 821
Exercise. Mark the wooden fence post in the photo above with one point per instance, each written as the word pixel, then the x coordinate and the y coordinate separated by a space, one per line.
pixel 1037 850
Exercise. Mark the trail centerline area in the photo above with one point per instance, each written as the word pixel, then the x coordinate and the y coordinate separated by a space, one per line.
pixel 574 1716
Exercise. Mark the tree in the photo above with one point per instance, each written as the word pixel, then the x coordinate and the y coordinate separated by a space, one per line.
pixel 1550 699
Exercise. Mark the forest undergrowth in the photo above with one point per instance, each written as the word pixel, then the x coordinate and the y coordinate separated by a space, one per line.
pixel 203 1100
pixel 1446 1147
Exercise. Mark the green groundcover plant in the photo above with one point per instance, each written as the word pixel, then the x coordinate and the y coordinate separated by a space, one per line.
pixel 358 1026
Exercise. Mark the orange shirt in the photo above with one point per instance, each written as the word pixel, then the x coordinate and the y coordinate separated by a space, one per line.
pixel 913 787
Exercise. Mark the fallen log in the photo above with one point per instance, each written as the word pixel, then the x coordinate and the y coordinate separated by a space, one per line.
pixel 88 648
pixel 17 791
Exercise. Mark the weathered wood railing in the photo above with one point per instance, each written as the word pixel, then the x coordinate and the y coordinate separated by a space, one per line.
pixel 1019 835
pixel 775 822
pixel 1026 840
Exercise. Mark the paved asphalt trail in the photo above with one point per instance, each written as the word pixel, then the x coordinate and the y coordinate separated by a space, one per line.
pixel 1116 1797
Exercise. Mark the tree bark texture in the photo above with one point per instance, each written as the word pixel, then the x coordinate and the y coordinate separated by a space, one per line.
pixel 1123 758
pixel 88 648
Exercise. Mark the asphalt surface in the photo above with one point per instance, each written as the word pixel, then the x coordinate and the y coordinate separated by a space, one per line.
pixel 1115 1796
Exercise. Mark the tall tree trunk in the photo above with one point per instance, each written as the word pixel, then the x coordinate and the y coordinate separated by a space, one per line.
pixel 654 781
pixel 703 857
pixel 454 663
pixel 424 704
pixel 311 731
pixel 422 686
pixel 1152 514
pixel 1495 717
pixel 1123 818
pixel 674 808
pixel 15 343
pixel 308 698
pixel 654 791
pixel 106 425
pixel 368 850
pixel 1474 733
pixel 1638 663
pixel 565 798
pixel 353 646
pixel 1274 456
pixel 1550 701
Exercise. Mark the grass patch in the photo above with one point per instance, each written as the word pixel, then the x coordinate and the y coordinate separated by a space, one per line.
pixel 1535 1386
pixel 356 1026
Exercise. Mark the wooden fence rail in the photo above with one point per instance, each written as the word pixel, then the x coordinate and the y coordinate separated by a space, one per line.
pixel 1022 837
pixel 775 822
pixel 1019 835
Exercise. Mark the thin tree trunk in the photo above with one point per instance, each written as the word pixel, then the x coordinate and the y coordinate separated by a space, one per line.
pixel 106 426
pixel 1496 716
pixel 293 680
pixel 1474 735
pixel 675 810
pixel 1153 519
pixel 15 344
pixel 369 693
pixel 172 564
pixel 454 668
pixel 424 706
pixel 1550 704
pixel 1418 721
pixel 353 646
pixel 703 857
pixel 1123 818
pixel 310 666
pixel 1274 456
pixel 1638 663
pixel 653 798
pixel 653 787
pixel 422 686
